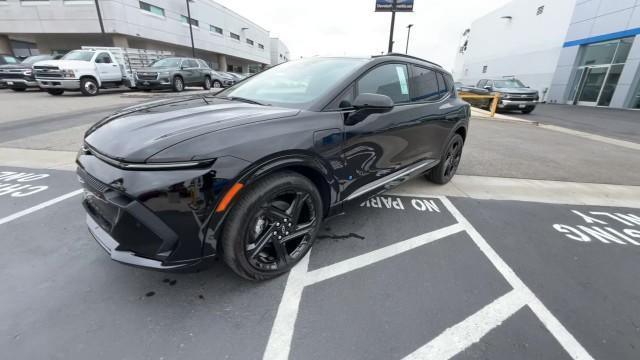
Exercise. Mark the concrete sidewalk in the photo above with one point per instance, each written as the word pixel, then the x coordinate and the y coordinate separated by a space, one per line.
pixel 616 123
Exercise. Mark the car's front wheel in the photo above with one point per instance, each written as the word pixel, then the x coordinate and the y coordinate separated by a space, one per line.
pixel 89 87
pixel 207 83
pixel 217 84
pixel 178 84
pixel 55 92
pixel 446 169
pixel 272 226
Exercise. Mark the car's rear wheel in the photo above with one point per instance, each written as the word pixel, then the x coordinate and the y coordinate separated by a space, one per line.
pixel 272 226
pixel 55 92
pixel 207 83
pixel 178 84
pixel 217 84
pixel 446 169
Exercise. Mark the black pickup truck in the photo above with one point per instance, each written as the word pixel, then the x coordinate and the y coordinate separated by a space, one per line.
pixel 19 76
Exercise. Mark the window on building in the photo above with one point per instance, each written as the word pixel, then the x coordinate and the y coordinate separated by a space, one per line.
pixel 185 20
pixel 390 80
pixel 250 42
pixel 234 36
pixel 608 52
pixel 151 8
pixel 260 46
pixel 215 29
pixel 484 69
pixel 425 84
pixel 540 10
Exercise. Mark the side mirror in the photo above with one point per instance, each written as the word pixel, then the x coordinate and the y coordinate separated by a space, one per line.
pixel 487 88
pixel 368 104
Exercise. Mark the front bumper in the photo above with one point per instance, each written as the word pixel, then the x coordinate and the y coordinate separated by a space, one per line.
pixel 154 84
pixel 19 83
pixel 65 84
pixel 515 104
pixel 159 219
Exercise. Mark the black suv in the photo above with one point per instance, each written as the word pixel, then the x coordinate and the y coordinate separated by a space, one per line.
pixel 514 95
pixel 176 73
pixel 20 76
pixel 251 172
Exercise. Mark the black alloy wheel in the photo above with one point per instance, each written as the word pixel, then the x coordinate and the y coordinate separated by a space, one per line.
pixel 272 226
pixel 444 172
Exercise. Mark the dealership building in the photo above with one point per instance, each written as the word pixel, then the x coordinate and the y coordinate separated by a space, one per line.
pixel 577 52
pixel 224 38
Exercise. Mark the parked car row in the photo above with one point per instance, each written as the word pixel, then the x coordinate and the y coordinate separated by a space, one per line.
pixel 514 95
pixel 92 68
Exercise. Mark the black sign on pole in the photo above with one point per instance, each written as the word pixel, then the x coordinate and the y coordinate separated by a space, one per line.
pixel 392 6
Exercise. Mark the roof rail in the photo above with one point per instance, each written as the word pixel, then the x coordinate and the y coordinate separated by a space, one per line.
pixel 407 56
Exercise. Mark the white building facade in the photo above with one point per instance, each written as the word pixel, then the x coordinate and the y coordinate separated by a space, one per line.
pixel 279 52
pixel 523 39
pixel 600 59
pixel 224 38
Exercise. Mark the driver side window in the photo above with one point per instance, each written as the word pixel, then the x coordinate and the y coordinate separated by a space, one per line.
pixel 390 80
pixel 103 58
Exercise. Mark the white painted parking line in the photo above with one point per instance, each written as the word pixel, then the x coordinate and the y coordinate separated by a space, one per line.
pixel 568 342
pixel 462 335
pixel 372 257
pixel 454 339
pixel 39 207
pixel 594 137
pixel 279 344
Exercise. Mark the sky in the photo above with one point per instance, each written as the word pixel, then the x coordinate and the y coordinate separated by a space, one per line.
pixel 352 28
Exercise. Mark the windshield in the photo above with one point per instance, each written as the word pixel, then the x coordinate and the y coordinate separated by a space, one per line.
pixel 169 62
pixel 295 83
pixel 81 55
pixel 9 59
pixel 35 59
pixel 508 84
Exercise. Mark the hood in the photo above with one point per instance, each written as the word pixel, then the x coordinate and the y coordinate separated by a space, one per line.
pixel 156 69
pixel 137 133
pixel 517 90
pixel 65 64
pixel 16 66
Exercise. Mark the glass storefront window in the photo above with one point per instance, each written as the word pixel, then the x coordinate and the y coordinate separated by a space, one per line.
pixel 610 85
pixel 623 51
pixel 599 54
pixel 636 100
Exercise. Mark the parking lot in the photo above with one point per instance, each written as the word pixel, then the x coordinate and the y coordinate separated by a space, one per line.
pixel 531 253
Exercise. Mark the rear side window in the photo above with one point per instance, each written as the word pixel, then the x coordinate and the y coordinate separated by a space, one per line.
pixel 390 80
pixel 425 84
pixel 189 63
pixel 450 84
pixel 103 58
pixel 442 85
pixel 482 83
pixel 203 64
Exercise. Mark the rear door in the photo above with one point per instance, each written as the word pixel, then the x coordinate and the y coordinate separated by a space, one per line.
pixel 108 69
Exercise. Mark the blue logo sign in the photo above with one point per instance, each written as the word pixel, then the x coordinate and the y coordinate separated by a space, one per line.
pixel 388 5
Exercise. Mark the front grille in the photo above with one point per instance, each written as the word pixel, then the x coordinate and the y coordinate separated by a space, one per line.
pixel 92 182
pixel 147 76
pixel 48 74
pixel 44 67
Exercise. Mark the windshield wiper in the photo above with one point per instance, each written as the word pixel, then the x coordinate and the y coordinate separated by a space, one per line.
pixel 238 98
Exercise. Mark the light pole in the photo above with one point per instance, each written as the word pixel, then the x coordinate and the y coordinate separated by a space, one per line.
pixel 99 16
pixel 408 35
pixel 193 47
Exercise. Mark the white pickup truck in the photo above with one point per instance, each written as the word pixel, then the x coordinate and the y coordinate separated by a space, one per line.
pixel 91 69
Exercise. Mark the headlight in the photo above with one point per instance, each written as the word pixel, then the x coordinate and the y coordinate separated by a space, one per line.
pixel 68 74
pixel 505 96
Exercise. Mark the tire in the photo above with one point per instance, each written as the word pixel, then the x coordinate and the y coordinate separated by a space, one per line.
pixel 446 169
pixel 55 92
pixel 89 87
pixel 18 89
pixel 207 83
pixel 256 243
pixel 178 84
pixel 217 84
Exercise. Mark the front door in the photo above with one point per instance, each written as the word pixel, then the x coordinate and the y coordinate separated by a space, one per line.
pixel 383 146
pixel 108 69
pixel 191 72
pixel 593 79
